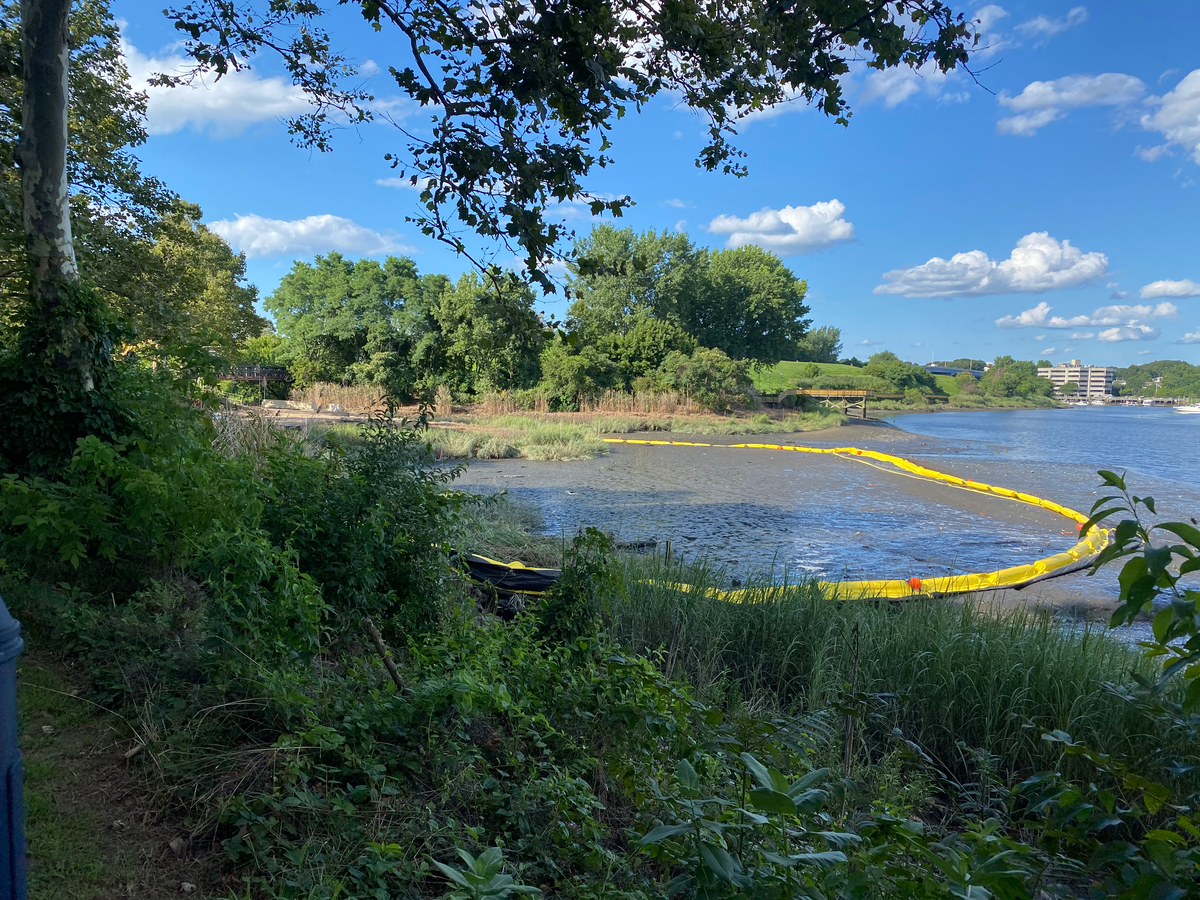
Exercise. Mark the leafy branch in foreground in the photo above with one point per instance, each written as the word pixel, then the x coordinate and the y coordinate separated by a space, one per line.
pixel 523 95
pixel 1153 573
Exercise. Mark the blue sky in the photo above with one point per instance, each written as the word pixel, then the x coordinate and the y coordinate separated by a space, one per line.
pixel 1053 212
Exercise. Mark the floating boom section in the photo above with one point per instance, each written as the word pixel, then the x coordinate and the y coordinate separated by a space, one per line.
pixel 1079 557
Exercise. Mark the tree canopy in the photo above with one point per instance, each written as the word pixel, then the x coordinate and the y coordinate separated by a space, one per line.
pixel 744 302
pixel 522 97
pixel 168 278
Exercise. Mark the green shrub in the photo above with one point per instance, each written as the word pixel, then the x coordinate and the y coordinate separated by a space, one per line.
pixel 708 378
pixel 366 520
pixel 572 373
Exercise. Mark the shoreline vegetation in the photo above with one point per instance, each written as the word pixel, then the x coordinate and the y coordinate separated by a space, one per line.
pixel 254 717
pixel 501 426
pixel 256 637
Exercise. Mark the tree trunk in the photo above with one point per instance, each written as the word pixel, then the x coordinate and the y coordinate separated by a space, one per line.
pixel 42 152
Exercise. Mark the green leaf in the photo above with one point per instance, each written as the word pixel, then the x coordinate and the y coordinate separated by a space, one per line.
pixel 810 802
pixel 840 839
pixel 1170 837
pixel 778 782
pixel 772 802
pixel 1189 533
pixel 689 781
pixel 1163 620
pixel 758 770
pixel 802 784
pixel 820 858
pixel 1112 479
pixel 490 862
pixel 453 874
pixel 661 833
pixel 720 863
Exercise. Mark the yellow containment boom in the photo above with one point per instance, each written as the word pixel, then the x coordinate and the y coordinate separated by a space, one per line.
pixel 1078 557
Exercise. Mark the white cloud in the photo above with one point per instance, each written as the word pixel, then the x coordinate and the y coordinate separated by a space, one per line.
pixel 1184 288
pixel 1150 154
pixel 895 85
pixel 869 343
pixel 1177 118
pixel 1028 318
pixel 987 16
pixel 681 225
pixel 1044 28
pixel 406 183
pixel 1038 264
pixel 990 41
pixel 1192 337
pixel 262 238
pixel 1118 295
pixel 221 108
pixel 1129 333
pixel 1122 314
pixel 788 231
pixel 1040 337
pixel 1043 102
pixel 1081 335
pixel 676 203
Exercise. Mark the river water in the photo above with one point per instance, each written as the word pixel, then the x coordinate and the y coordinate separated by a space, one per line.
pixel 766 511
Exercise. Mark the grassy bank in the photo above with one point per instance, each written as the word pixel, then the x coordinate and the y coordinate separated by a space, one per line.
pixel 569 436
pixel 786 375
pixel 965 402
pixel 959 678
pixel 962 677
pixel 303 679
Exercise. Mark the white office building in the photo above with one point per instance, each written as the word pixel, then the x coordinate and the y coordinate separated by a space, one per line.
pixel 1090 381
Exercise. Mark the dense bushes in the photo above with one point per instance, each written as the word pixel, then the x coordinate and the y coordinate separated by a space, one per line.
pixel 238 637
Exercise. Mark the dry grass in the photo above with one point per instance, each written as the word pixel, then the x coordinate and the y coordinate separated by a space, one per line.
pixel 357 398
pixel 243 430
pixel 641 403
pixel 504 403
pixel 442 402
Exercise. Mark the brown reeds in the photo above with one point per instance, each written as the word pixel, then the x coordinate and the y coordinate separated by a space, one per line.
pixel 352 398
pixel 643 403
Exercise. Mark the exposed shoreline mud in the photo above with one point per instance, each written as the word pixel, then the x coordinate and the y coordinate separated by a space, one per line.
pixel 754 512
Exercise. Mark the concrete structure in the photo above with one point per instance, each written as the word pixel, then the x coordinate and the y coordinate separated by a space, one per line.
pixel 934 369
pixel 1092 381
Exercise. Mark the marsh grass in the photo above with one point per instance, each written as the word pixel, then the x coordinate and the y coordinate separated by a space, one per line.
pixel 505 530
pixel 961 678
pixel 572 436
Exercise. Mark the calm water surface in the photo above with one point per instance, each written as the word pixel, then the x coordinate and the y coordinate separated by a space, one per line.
pixel 759 510
pixel 1154 442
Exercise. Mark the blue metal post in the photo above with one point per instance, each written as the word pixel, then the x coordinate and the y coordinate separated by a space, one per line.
pixel 12 807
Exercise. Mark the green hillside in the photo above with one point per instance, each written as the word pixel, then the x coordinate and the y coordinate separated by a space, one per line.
pixel 789 374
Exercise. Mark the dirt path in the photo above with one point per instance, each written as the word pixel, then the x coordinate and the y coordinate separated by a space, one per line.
pixel 92 829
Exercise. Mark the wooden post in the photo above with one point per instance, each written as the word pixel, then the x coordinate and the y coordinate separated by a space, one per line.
pixel 382 650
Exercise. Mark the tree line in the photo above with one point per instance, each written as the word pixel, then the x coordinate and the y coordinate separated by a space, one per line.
pixel 650 312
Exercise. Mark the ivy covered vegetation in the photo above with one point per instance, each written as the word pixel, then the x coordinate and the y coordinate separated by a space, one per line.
pixel 302 679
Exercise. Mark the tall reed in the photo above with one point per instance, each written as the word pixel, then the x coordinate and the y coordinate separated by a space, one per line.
pixel 963 677
pixel 354 398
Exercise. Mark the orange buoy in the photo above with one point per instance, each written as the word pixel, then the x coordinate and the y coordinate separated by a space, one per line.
pixel 914 583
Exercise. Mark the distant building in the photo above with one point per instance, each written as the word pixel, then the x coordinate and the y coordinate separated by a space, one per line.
pixel 1092 381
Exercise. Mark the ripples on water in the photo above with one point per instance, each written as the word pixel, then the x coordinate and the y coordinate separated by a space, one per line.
pixel 761 510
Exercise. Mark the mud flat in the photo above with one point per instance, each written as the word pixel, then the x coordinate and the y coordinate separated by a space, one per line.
pixel 753 511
